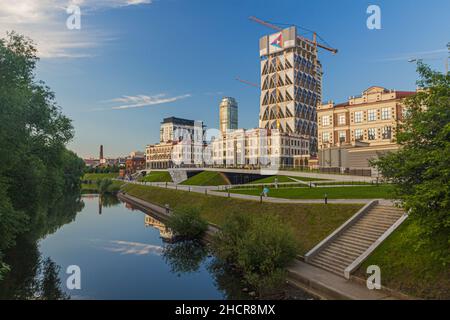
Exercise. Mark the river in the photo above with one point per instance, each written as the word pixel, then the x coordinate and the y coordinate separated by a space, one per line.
pixel 121 253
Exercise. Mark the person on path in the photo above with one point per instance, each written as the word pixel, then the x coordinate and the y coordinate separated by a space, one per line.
pixel 265 191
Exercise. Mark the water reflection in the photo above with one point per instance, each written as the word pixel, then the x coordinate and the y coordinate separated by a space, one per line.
pixel 31 276
pixel 185 256
pixel 120 258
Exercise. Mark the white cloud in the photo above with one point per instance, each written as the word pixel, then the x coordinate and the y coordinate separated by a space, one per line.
pixel 44 21
pixel 136 248
pixel 139 101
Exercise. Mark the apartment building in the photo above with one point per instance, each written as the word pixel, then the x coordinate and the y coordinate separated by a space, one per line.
pixel 352 133
pixel 258 148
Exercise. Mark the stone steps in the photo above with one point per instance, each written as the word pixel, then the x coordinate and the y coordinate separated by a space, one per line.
pixel 337 255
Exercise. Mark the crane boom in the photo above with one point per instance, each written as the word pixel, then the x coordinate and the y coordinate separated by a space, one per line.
pixel 313 42
pixel 247 82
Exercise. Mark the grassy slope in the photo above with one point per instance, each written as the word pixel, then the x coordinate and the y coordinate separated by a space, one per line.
pixel 271 179
pixel 311 222
pixel 205 178
pixel 157 176
pixel 98 176
pixel 363 192
pixel 409 269
pixel 92 188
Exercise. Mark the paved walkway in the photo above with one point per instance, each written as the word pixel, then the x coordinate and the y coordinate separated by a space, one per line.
pixel 331 286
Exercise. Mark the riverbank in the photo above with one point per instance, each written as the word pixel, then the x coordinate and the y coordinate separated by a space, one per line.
pixel 317 282
pixel 408 265
pixel 311 222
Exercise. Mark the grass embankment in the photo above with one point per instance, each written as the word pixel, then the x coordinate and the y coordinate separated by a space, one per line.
pixel 206 178
pixel 281 179
pixel 93 187
pixel 89 184
pixel 311 222
pixel 99 176
pixel 407 268
pixel 157 176
pixel 363 192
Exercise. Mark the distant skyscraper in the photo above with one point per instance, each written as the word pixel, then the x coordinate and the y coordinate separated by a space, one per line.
pixel 291 77
pixel 228 114
pixel 101 152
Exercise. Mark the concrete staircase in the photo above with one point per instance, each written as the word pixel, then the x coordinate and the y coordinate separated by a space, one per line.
pixel 348 245
pixel 178 176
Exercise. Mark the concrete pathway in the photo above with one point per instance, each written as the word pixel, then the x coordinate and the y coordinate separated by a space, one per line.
pixel 211 190
pixel 330 286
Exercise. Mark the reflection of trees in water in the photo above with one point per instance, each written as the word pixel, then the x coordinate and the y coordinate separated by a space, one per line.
pixel 184 256
pixel 188 256
pixel 31 278
pixel 227 280
pixel 107 200
pixel 50 284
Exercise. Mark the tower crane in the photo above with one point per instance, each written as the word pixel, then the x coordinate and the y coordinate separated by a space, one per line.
pixel 313 42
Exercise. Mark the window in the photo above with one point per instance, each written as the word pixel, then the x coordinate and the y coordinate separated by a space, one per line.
pixel 325 137
pixel 386 132
pixel 342 136
pixel 359 134
pixel 372 133
pixel 372 115
pixel 385 114
pixel 325 120
pixel 341 119
pixel 358 116
pixel 405 112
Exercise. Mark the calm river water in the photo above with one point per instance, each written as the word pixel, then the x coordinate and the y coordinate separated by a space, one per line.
pixel 122 254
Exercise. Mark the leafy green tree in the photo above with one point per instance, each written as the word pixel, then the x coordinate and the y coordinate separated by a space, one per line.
pixel 260 247
pixel 36 166
pixel 187 223
pixel 421 168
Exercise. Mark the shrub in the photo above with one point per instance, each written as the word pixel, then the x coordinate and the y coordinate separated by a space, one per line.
pixel 260 247
pixel 103 185
pixel 187 223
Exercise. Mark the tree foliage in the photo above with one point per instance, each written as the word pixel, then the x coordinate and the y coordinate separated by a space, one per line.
pixel 260 247
pixel 421 169
pixel 36 166
pixel 187 223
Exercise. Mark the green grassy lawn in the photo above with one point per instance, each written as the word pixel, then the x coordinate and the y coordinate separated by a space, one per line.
pixel 271 179
pixel 311 222
pixel 99 176
pixel 92 187
pixel 363 192
pixel 157 176
pixel 206 178
pixel 408 268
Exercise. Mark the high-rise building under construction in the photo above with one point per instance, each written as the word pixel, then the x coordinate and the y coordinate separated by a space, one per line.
pixel 291 78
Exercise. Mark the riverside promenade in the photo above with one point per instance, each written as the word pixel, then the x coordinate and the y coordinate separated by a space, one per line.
pixel 213 190
pixel 318 282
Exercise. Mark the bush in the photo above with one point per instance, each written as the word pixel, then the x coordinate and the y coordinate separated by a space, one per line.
pixel 103 185
pixel 187 223
pixel 260 247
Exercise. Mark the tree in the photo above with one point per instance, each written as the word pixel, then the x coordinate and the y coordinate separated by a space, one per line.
pixel 36 168
pixel 421 168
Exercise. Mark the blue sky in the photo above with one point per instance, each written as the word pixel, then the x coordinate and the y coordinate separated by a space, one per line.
pixel 180 57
